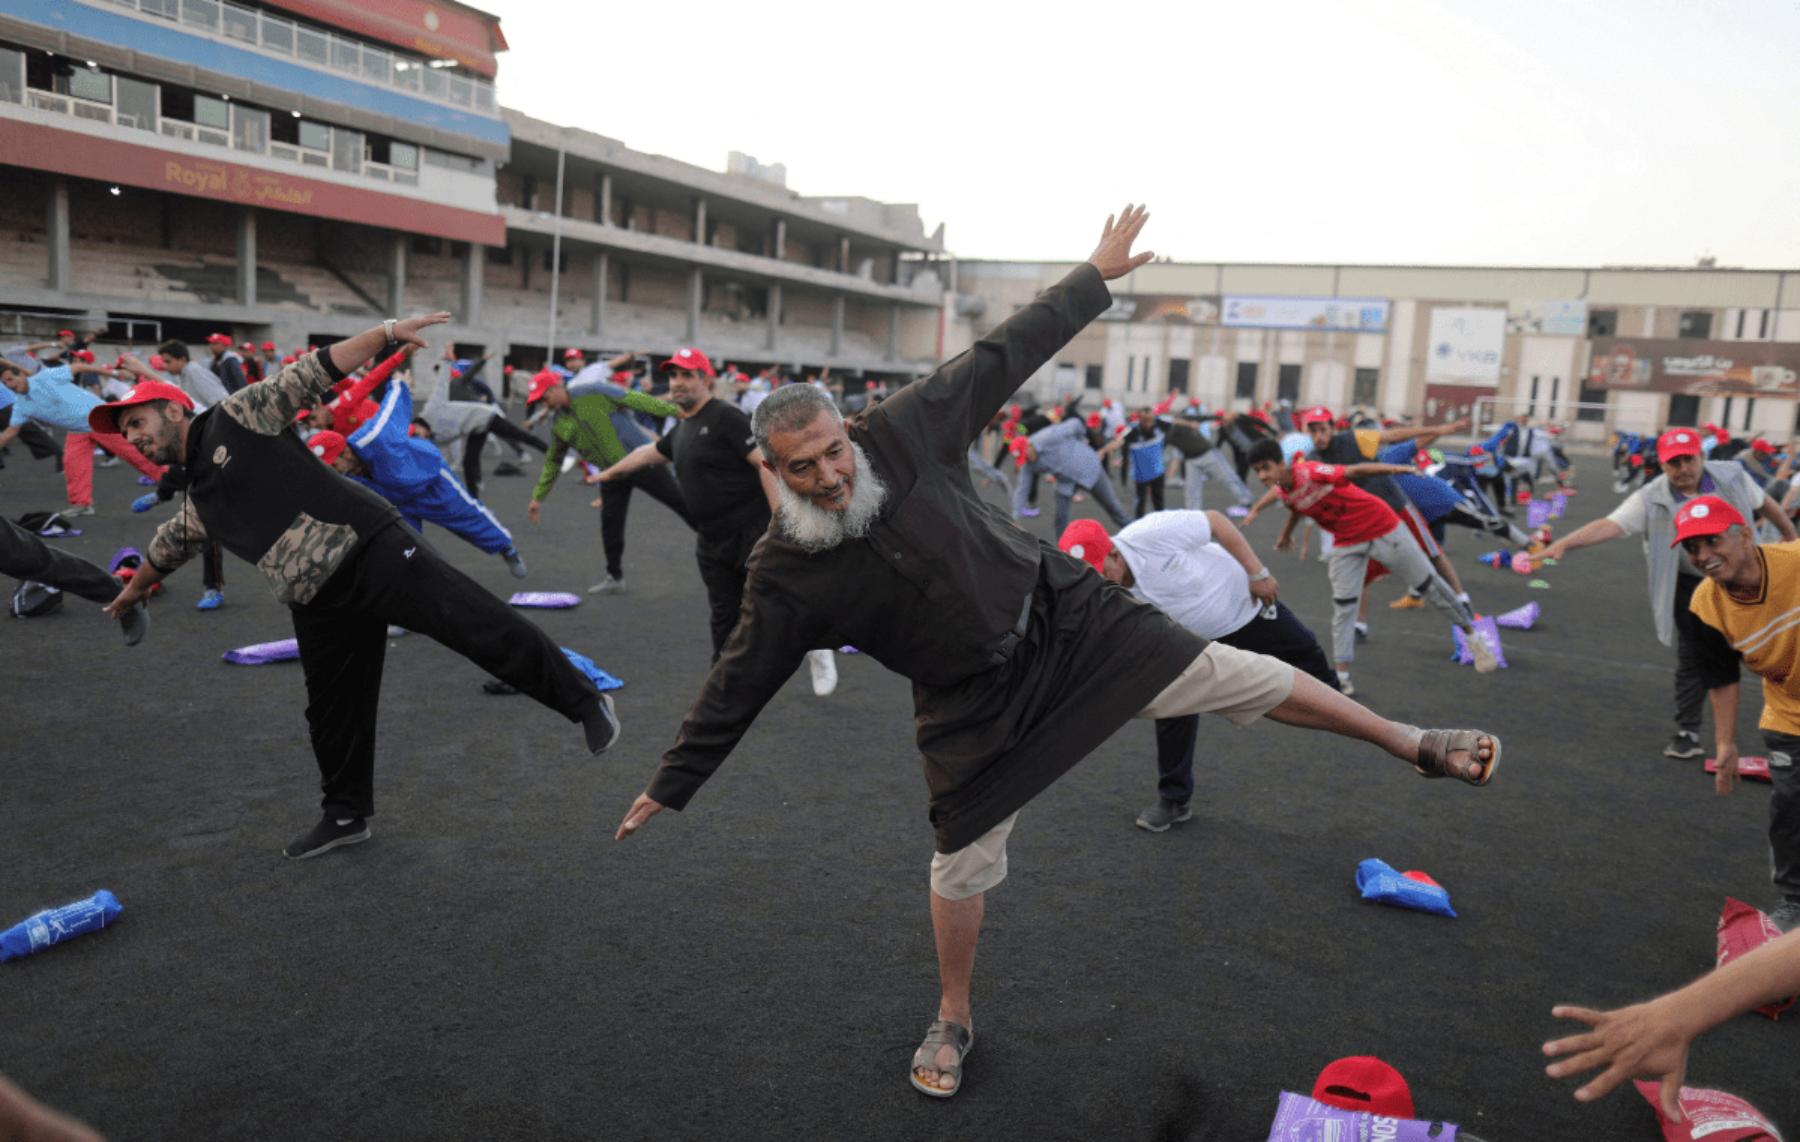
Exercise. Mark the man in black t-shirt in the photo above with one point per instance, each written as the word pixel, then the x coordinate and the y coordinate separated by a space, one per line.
pixel 730 496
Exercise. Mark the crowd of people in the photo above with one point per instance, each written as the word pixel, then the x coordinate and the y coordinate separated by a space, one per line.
pixel 826 517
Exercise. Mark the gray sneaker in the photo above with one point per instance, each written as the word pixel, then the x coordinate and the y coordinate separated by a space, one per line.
pixel 608 586
pixel 1786 915
pixel 1683 744
pixel 1158 817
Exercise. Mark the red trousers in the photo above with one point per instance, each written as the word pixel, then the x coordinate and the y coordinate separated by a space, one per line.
pixel 78 462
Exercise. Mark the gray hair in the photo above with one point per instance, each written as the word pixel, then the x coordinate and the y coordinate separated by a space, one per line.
pixel 789 409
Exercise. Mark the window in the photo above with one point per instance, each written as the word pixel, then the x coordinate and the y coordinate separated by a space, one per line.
pixel 1365 389
pixel 434 82
pixel 12 75
pixel 1130 372
pixel 406 75
pixel 1591 395
pixel 346 150
pixel 345 56
pixel 1749 411
pixel 168 9
pixel 278 34
pixel 403 155
pixel 1603 323
pixel 86 83
pixel 1246 381
pixel 461 91
pixel 1096 378
pixel 449 161
pixel 316 136
pixel 136 103
pixel 1684 410
pixel 1696 325
pixel 377 65
pixel 240 23
pixel 250 129
pixel 1287 384
pixel 1762 331
pixel 202 13
pixel 210 112
pixel 1178 375
pixel 315 47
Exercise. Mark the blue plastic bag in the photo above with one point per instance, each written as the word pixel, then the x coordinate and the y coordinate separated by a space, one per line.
pixel 55 925
pixel 601 679
pixel 1381 882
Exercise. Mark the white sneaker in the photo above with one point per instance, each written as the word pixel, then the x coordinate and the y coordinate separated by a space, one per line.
pixel 824 671
pixel 1344 685
pixel 1486 662
pixel 608 586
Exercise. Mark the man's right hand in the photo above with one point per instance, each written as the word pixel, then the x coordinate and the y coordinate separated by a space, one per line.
pixel 134 593
pixel 641 811
pixel 532 509
pixel 1113 256
pixel 1555 551
pixel 1726 779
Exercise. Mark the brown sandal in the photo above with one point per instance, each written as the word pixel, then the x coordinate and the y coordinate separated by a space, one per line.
pixel 1436 746
pixel 942 1033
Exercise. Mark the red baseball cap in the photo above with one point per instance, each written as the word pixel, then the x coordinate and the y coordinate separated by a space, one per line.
pixel 327 445
pixel 105 417
pixel 572 352
pixel 1705 515
pixel 65 333
pixel 692 360
pixel 85 356
pixel 1762 446
pixel 541 383
pixel 218 339
pixel 288 360
pixel 1363 1082
pixel 622 375
pixel 268 346
pixel 1087 541
pixel 247 347
pixel 1677 442
pixel 1317 414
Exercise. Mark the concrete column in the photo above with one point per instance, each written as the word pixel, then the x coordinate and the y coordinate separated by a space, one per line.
pixel 700 221
pixel 844 254
pixel 396 297
pixel 598 318
pixel 696 290
pixel 606 200
pixel 57 228
pixel 893 345
pixel 771 343
pixel 837 325
pixel 780 238
pixel 246 257
pixel 474 270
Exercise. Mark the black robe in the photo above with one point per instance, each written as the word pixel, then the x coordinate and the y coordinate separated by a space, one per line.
pixel 1022 659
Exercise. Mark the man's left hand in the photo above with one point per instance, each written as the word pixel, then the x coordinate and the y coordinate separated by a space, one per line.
pixel 1726 779
pixel 641 810
pixel 1113 256
pixel 1265 590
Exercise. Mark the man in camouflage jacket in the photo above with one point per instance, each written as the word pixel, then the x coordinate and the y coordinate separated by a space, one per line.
pixel 339 556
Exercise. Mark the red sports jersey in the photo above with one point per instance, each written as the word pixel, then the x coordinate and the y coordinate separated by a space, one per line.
pixel 1323 493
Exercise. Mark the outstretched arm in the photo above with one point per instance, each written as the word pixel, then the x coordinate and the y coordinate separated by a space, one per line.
pixel 359 392
pixel 1653 1038
pixel 1587 535
pixel 1423 435
pixel 643 456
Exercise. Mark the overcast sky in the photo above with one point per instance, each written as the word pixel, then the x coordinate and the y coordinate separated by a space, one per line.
pixel 1523 132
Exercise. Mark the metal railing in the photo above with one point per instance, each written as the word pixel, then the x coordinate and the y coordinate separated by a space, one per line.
pixel 279 36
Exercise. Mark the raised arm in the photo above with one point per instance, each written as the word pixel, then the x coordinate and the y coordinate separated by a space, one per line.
pixel 359 392
pixel 269 408
pixel 1423 435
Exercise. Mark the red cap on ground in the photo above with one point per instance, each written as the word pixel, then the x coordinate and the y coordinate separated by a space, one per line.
pixel 1363 1082
pixel 1762 446
pixel 541 383
pixel 104 417
pixel 1317 414
pixel 567 353
pixel 692 360
pixel 1087 541
pixel 1705 515
pixel 327 445
pixel 1677 442
pixel 268 346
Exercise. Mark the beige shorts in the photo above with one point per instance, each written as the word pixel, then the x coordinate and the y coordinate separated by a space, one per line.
pixel 1235 684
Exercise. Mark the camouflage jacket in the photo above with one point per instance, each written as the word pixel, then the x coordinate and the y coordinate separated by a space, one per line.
pixel 255 489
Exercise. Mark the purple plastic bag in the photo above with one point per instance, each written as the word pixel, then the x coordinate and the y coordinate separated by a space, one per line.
pixel 263 653
pixel 1300 1119
pixel 1485 624
pixel 124 557
pixel 549 600
pixel 1559 504
pixel 1537 515
pixel 1520 618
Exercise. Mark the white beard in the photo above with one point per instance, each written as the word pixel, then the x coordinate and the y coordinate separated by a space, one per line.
pixel 813 529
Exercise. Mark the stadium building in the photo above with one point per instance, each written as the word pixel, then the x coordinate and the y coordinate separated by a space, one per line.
pixel 292 171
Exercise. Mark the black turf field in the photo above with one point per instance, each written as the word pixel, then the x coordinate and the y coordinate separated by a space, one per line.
pixel 493 966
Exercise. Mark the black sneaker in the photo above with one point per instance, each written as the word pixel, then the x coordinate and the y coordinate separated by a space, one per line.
pixel 601 727
pixel 325 836
pixel 508 468
pixel 1158 817
pixel 1684 745
pixel 1786 915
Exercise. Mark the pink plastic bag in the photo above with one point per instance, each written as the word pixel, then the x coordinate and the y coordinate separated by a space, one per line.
pixel 1742 930
pixel 1709 1116
pixel 1750 768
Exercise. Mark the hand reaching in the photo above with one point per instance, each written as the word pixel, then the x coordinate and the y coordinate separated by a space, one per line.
pixel 1113 256
pixel 641 811
pixel 1647 1039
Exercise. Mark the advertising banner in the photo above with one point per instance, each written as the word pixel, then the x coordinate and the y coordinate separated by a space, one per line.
pixel 1466 345
pixel 1337 314
pixel 1697 368
pixel 1549 318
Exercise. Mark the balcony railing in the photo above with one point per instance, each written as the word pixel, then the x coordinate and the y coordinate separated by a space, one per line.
pixel 283 37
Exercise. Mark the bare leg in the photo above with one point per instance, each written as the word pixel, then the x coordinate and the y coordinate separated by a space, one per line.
pixel 1448 571
pixel 1315 706
pixel 957 927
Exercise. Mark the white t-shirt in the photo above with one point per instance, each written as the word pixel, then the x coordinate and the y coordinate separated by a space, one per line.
pixel 1180 570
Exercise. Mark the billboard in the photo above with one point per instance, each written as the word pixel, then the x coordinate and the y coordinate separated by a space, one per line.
pixel 1549 318
pixel 1335 314
pixel 1697 368
pixel 1466 345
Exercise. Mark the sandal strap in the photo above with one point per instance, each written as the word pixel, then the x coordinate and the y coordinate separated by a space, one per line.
pixel 943 1033
pixel 1436 746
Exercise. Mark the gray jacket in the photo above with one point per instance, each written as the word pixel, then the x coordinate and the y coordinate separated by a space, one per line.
pixel 1650 512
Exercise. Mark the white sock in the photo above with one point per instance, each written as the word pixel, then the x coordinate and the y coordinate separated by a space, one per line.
pixel 342 821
